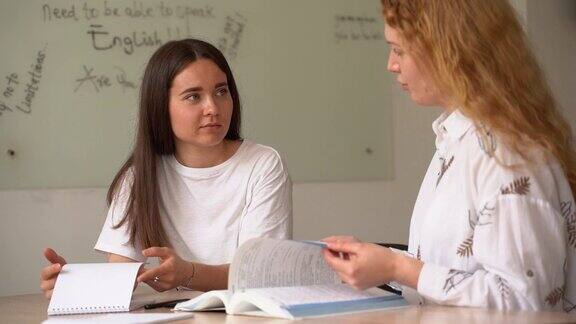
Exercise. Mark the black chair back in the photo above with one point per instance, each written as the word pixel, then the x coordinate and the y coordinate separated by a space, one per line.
pixel 402 247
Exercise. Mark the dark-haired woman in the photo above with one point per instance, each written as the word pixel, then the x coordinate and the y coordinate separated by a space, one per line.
pixel 192 190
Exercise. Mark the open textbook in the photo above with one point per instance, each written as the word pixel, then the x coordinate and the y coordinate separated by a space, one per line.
pixel 287 279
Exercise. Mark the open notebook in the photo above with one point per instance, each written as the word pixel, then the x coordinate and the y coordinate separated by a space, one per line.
pixel 85 288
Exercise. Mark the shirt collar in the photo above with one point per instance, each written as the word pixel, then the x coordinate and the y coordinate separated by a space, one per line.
pixel 451 125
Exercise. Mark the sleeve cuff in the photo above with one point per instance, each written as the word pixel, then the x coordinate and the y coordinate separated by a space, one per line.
pixel 430 281
pixel 120 250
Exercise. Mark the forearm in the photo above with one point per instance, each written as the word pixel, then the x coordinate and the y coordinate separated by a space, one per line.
pixel 115 258
pixel 204 277
pixel 407 270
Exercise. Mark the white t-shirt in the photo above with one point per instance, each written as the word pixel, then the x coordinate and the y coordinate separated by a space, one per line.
pixel 491 236
pixel 208 213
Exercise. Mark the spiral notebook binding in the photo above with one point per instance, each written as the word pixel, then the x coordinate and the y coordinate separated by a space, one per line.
pixel 87 310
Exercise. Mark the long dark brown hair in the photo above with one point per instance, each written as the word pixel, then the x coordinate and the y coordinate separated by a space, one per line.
pixel 155 137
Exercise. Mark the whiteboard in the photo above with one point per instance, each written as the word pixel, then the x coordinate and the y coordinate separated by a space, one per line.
pixel 311 75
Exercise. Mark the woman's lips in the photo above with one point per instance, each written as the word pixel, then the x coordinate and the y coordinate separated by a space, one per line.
pixel 211 126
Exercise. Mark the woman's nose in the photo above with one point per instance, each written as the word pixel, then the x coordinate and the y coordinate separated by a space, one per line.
pixel 394 68
pixel 211 107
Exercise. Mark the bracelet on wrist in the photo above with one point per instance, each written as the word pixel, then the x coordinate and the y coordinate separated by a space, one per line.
pixel 187 285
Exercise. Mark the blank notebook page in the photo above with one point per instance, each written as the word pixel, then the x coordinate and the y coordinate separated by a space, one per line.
pixel 94 288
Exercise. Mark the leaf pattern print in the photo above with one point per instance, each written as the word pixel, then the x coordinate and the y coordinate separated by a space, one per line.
pixel 566 208
pixel 555 296
pixel 503 287
pixel 455 277
pixel 486 141
pixel 519 186
pixel 568 305
pixel 486 212
pixel 472 220
pixel 465 248
pixel 571 229
pixel 443 168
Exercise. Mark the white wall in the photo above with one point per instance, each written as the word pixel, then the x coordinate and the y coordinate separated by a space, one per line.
pixel 552 29
pixel 70 220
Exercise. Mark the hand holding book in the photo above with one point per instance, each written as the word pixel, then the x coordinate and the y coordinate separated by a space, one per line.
pixel 287 279
pixel 50 272
pixel 368 265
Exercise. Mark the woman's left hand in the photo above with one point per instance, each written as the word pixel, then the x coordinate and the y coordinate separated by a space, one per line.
pixel 361 265
pixel 171 273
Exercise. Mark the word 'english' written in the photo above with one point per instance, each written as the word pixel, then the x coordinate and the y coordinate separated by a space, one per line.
pixel 102 40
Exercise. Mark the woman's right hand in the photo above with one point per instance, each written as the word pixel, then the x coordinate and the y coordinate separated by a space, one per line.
pixel 339 238
pixel 50 273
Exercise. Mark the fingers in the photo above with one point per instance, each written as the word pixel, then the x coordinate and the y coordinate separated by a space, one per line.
pixel 340 266
pixel 47 285
pixel 145 275
pixel 50 271
pixel 142 270
pixel 347 270
pixel 53 257
pixel 344 246
pixel 48 293
pixel 336 238
pixel 150 274
pixel 158 285
pixel 48 277
pixel 334 261
pixel 161 252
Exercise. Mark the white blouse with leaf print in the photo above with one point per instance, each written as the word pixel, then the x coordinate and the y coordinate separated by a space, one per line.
pixel 490 235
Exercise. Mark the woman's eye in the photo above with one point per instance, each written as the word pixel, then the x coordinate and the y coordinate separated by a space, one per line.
pixel 193 97
pixel 397 51
pixel 222 91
